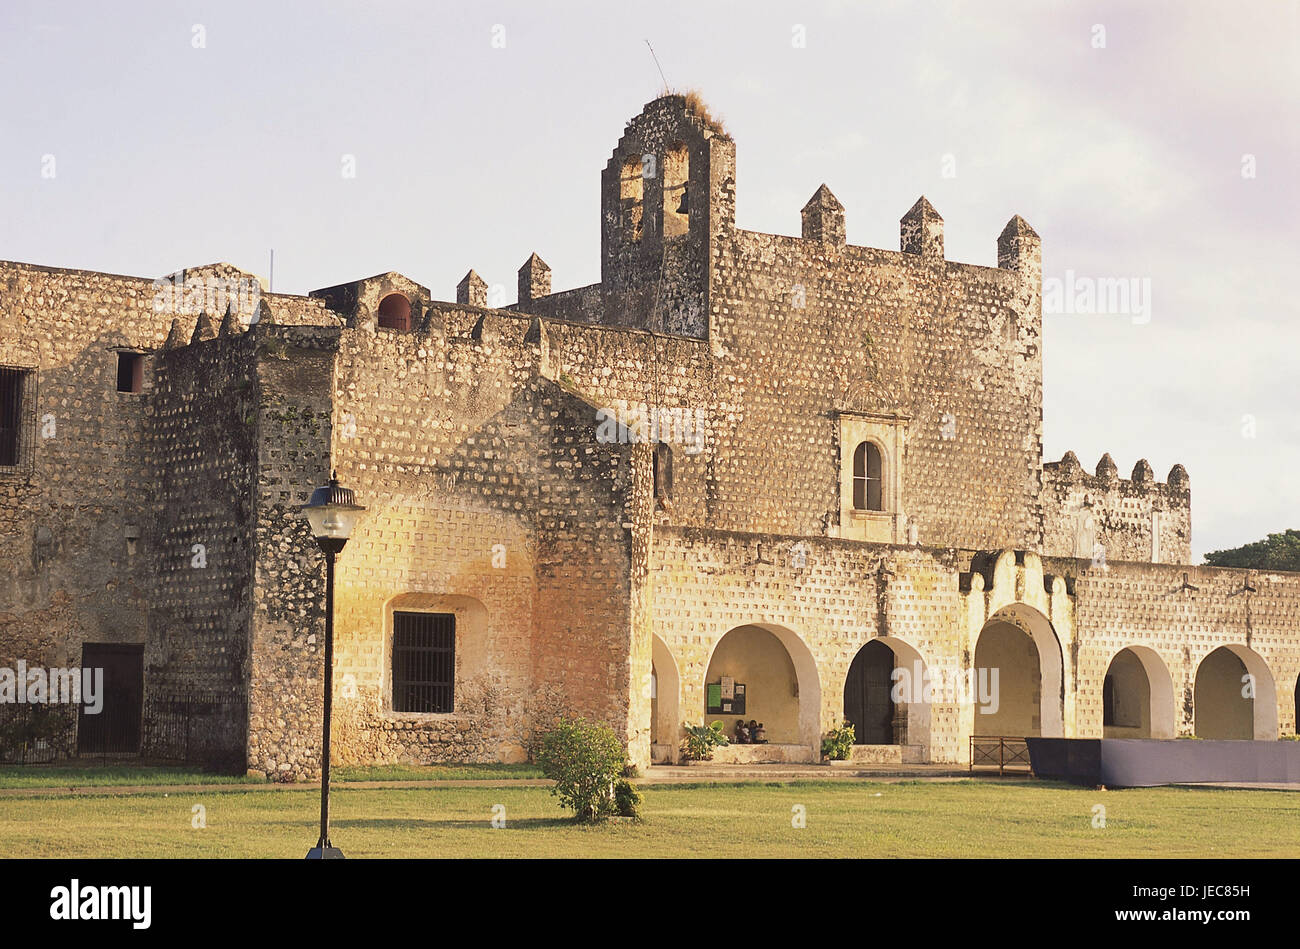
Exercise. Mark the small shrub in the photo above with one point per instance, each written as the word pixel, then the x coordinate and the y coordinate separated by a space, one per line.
pixel 584 759
pixel 627 800
pixel 700 741
pixel 838 743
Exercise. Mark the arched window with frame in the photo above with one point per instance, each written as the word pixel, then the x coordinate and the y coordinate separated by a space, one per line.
pixel 868 478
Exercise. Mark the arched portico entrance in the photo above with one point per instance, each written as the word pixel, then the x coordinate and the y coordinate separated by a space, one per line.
pixel 1018 682
pixel 781 691
pixel 886 696
pixel 1137 696
pixel 665 700
pixel 1234 696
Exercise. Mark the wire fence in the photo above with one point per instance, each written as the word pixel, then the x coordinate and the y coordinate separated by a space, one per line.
pixel 206 728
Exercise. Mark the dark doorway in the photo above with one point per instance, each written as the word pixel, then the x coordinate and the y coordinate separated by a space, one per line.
pixel 115 729
pixel 868 702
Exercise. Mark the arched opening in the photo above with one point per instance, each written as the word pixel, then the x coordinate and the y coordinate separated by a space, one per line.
pixel 631 183
pixel 868 478
pixel 1234 697
pixel 676 172
pixel 1137 696
pixel 1018 680
pixel 665 697
pixel 773 671
pixel 395 312
pixel 887 696
pixel 868 699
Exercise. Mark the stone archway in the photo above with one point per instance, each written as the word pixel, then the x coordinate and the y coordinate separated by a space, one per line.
pixel 886 688
pixel 1018 686
pixel 665 702
pixel 782 687
pixel 395 312
pixel 1137 696
pixel 1234 696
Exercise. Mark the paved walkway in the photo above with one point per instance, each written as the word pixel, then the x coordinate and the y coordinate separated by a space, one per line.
pixel 707 771
pixel 658 774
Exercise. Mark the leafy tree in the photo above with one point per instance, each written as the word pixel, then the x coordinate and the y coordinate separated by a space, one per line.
pixel 1276 552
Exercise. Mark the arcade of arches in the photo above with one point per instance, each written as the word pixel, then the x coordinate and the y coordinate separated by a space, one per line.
pixel 1016 682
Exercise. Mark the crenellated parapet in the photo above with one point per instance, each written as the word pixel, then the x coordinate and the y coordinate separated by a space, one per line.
pixel 1101 516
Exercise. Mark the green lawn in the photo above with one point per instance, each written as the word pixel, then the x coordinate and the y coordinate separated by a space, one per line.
pixel 844 819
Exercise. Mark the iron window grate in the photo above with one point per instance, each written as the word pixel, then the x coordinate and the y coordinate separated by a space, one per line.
pixel 17 418
pixel 424 662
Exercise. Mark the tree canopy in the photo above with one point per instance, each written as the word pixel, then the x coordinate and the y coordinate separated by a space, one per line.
pixel 1275 552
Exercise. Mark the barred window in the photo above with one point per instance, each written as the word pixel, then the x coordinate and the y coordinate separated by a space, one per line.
pixel 17 414
pixel 424 662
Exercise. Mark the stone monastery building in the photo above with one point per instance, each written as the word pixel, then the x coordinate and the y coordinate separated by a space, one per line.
pixel 743 476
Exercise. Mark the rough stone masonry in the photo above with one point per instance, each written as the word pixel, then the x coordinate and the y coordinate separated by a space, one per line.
pixel 862 491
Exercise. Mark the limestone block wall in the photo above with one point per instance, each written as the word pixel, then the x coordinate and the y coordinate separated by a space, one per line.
pixel 201 454
pixel 488 496
pixel 1182 614
pixel 66 574
pixel 801 329
pixel 1104 516
pixel 705 583
pixel 295 368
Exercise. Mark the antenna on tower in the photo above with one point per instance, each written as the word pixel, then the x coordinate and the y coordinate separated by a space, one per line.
pixel 270 280
pixel 657 66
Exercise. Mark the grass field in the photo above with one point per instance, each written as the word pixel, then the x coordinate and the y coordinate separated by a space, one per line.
pixel 844 819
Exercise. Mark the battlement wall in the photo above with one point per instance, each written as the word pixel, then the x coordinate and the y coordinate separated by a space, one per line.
pixel 1104 517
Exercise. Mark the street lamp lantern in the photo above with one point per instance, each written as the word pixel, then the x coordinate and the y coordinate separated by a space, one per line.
pixel 332 513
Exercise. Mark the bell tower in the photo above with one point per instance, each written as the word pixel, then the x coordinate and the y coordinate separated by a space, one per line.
pixel 667 193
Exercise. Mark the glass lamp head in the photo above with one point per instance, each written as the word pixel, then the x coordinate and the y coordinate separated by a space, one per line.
pixel 332 513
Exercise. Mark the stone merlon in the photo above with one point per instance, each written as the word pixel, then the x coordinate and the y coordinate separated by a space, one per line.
pixel 534 280
pixel 823 218
pixel 472 290
pixel 921 231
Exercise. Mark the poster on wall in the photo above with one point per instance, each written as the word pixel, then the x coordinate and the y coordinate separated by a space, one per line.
pixel 724 698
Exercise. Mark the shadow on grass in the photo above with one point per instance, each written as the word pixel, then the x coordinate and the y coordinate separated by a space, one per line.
pixel 407 823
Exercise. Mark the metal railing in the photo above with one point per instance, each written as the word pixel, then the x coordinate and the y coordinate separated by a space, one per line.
pixel 194 728
pixel 1006 753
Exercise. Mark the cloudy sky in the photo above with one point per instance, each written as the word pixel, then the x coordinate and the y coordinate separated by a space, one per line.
pixel 1153 141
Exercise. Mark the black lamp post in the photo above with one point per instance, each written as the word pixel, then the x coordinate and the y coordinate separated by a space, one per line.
pixel 332 513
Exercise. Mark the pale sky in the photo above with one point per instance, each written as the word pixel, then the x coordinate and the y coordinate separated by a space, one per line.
pixel 189 132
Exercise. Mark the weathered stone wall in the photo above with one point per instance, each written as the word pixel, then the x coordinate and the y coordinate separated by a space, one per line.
pixel 1105 517
pixel 1183 614
pixel 201 451
pixel 490 497
pixel 806 329
pixel 824 598
pixel 295 370
pixel 66 574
